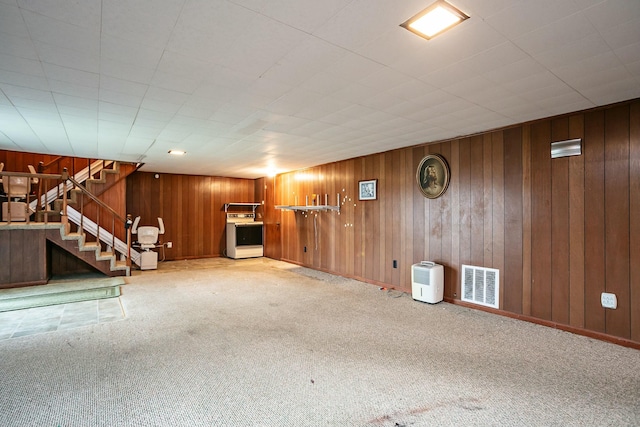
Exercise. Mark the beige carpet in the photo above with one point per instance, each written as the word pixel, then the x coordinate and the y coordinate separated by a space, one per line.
pixel 263 343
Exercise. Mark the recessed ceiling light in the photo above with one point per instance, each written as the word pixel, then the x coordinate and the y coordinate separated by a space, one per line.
pixel 435 19
pixel 177 152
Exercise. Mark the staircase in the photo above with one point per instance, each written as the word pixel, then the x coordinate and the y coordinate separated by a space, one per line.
pixel 75 242
pixel 90 252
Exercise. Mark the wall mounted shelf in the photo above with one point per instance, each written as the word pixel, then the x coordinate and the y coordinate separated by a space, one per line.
pixel 252 205
pixel 307 207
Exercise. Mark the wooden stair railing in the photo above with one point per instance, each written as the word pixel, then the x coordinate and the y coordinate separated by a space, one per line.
pixel 66 182
pixel 115 217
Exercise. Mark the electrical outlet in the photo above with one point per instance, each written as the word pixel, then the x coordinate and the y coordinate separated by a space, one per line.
pixel 305 249
pixel 395 263
pixel 609 300
pixel 169 245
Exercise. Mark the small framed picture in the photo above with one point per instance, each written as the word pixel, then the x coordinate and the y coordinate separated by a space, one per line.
pixel 368 190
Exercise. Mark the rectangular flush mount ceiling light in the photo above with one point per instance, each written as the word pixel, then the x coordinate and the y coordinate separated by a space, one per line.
pixel 435 19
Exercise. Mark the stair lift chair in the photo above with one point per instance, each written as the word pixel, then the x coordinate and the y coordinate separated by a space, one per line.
pixel 148 240
pixel 17 189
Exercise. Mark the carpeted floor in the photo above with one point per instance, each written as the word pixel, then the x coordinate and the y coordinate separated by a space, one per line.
pixel 263 343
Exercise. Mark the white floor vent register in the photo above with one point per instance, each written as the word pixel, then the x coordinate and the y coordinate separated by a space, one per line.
pixel 481 285
pixel 427 282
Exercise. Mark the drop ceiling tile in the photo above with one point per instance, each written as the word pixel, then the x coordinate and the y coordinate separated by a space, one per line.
pixel 514 71
pixel 129 52
pixel 609 92
pixel 526 16
pixel 623 35
pixel 85 13
pixel 26 80
pixel 159 116
pixel 73 89
pixel 568 30
pixel 307 15
pixel 65 110
pixel 469 38
pixel 447 76
pixel 572 52
pixel 565 103
pixel 592 70
pixel 168 109
pixel 294 101
pixel 165 95
pixel 71 75
pixel 359 22
pixel 123 86
pixel 115 121
pixel 611 13
pixel 61 34
pixel 20 65
pixel 21 92
pixel 494 58
pixel 21 47
pixel 58 55
pixel 75 101
pixel 121 110
pixel 11 22
pixel 198 44
pixel 119 98
pixel 143 132
pixel 120 70
pixel 139 22
pixel 308 58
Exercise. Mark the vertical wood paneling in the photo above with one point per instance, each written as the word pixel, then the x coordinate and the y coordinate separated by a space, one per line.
pixel 435 219
pixel 498 216
pixel 541 220
pixel 5 255
pixel 512 285
pixel 407 241
pixel 24 257
pixel 477 200
pixel 560 227
pixel 445 200
pixel 526 220
pixel 594 256
pixel 616 194
pixel 634 213
pixel 452 288
pixel 465 201
pixel 576 227
pixel 190 206
pixel 397 172
pixel 487 200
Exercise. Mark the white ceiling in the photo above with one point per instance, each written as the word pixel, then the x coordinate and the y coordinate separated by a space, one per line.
pixel 246 87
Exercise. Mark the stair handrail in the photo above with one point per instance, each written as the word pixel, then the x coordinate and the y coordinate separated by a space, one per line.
pixel 82 175
pixel 115 215
pixel 42 177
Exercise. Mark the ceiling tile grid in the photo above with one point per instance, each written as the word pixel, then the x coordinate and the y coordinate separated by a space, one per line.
pixel 247 86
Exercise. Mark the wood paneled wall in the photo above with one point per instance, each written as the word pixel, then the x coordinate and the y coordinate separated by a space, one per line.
pixel 23 257
pixel 192 208
pixel 560 231
pixel 16 161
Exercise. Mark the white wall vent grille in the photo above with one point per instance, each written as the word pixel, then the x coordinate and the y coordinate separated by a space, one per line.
pixel 481 285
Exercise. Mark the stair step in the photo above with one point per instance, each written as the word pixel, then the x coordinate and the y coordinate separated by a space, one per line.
pixel 121 265
pixel 62 293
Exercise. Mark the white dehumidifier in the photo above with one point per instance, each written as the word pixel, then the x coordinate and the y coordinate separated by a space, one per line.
pixel 427 282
